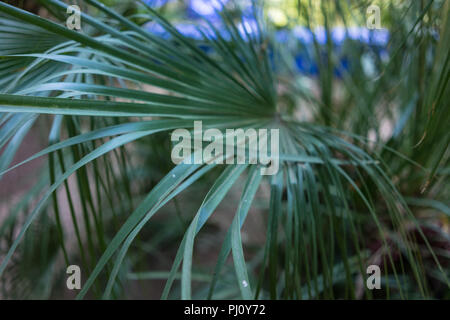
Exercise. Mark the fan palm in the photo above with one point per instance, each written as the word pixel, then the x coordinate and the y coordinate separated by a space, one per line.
pixel 115 86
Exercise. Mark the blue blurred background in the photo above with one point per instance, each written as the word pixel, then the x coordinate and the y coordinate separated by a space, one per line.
pixel 301 37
